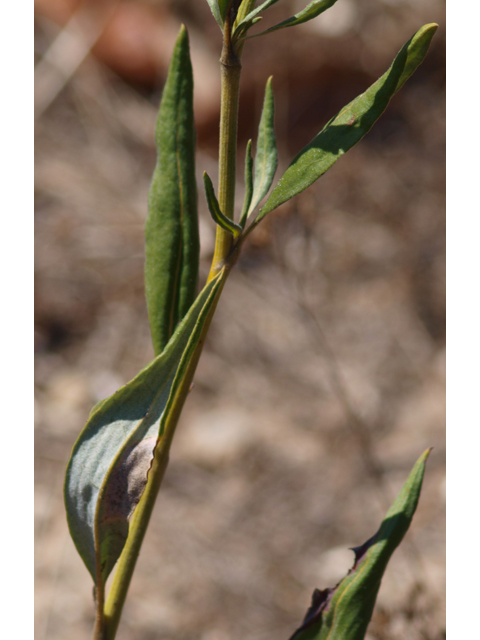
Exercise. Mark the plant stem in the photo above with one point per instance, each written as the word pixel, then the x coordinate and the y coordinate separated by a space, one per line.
pixel 141 516
pixel 223 257
pixel 99 630
pixel 230 83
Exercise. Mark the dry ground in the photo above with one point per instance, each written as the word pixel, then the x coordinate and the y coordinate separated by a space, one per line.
pixel 323 377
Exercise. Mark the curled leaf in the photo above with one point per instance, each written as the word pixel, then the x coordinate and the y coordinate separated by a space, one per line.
pixel 172 245
pixel 219 217
pixel 109 465
pixel 350 125
pixel 343 613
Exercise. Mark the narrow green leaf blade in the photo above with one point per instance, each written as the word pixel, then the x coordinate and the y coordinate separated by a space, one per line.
pixel 251 18
pixel 266 153
pixel 258 10
pixel 248 184
pixel 313 10
pixel 343 613
pixel 214 8
pixel 219 217
pixel 108 468
pixel 171 230
pixel 350 125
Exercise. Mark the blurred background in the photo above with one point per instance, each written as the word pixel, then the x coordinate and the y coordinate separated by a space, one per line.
pixel 323 377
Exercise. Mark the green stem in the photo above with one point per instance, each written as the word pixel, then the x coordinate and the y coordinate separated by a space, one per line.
pixel 230 84
pixel 224 257
pixel 141 517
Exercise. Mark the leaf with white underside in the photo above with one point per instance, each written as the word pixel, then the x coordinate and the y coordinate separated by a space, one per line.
pixel 108 468
pixel 350 125
pixel 172 244
pixel 219 217
pixel 266 152
pixel 344 612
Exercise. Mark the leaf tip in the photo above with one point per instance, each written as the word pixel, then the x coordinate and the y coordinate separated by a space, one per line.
pixel 424 457
pixel 427 31
pixel 183 33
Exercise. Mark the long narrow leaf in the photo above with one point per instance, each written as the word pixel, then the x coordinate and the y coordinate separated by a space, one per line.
pixel 248 184
pixel 215 211
pixel 108 469
pixel 313 10
pixel 350 125
pixel 266 153
pixel 171 231
pixel 343 613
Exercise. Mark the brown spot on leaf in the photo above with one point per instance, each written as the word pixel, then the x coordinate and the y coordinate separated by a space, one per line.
pixel 122 494
pixel 128 480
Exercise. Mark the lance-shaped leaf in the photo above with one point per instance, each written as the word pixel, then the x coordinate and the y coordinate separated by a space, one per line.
pixel 343 613
pixel 171 230
pixel 266 153
pixel 248 184
pixel 311 11
pixel 350 125
pixel 108 468
pixel 215 211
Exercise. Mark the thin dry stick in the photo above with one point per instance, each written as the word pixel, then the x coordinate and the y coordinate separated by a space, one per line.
pixel 67 52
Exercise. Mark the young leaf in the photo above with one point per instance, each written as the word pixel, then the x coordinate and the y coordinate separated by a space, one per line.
pixel 244 9
pixel 108 468
pixel 251 18
pixel 313 10
pixel 350 125
pixel 248 184
pixel 343 613
pixel 266 153
pixel 214 8
pixel 215 211
pixel 171 230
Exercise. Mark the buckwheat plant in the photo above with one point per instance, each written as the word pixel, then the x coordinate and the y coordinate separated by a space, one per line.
pixel 119 460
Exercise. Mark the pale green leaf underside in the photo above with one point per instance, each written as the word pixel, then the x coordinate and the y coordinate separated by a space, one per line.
pixel 172 244
pixel 350 125
pixel 108 467
pixel 343 613
pixel 219 217
pixel 214 8
pixel 266 152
